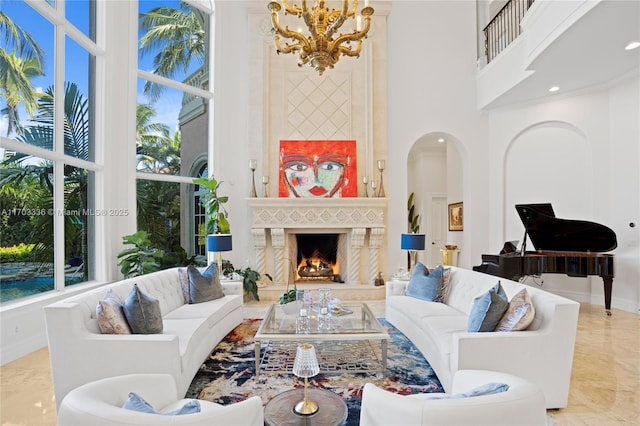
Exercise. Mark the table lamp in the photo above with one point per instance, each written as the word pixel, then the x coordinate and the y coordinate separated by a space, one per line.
pixel 219 243
pixel 412 243
pixel 306 365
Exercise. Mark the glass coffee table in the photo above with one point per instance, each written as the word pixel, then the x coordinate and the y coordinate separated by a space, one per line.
pixel 349 345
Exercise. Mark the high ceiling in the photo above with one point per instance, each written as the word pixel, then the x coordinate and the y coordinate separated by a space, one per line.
pixel 589 55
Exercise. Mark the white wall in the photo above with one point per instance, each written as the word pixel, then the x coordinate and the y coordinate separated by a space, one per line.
pixel 432 89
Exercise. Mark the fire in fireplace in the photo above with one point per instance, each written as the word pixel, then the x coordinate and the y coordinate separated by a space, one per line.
pixel 317 257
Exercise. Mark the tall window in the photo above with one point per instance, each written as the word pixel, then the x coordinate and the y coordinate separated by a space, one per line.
pixel 173 116
pixel 199 217
pixel 47 163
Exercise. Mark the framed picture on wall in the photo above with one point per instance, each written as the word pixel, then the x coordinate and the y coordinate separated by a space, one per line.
pixel 455 217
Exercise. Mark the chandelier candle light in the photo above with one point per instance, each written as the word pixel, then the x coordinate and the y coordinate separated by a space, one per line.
pixel 322 47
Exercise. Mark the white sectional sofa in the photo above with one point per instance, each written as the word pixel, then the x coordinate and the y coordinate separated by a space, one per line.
pixel 542 354
pixel 80 354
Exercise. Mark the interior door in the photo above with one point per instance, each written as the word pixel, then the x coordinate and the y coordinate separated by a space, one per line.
pixel 438 232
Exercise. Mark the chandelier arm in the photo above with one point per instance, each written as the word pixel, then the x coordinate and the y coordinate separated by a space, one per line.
pixel 308 20
pixel 287 48
pixel 351 52
pixel 285 32
pixel 292 10
pixel 354 36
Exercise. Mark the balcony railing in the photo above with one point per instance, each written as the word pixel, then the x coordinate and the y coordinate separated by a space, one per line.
pixel 504 27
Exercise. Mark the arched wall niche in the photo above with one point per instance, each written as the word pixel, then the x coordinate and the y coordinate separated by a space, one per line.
pixel 435 176
pixel 547 162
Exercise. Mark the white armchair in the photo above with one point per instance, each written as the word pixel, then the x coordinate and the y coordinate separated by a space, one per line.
pixel 522 404
pixel 100 403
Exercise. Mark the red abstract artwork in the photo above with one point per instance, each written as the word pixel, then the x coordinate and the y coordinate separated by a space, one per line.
pixel 318 169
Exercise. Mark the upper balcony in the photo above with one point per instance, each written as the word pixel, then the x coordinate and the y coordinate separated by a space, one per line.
pixel 574 45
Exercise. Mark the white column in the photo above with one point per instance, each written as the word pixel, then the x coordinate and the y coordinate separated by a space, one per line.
pixel 375 242
pixel 260 244
pixel 279 259
pixel 357 242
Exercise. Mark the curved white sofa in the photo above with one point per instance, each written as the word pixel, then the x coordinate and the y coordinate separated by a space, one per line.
pixel 80 354
pixel 522 404
pixel 100 403
pixel 542 354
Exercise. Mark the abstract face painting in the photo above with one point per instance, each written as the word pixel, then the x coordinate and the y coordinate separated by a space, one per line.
pixel 318 169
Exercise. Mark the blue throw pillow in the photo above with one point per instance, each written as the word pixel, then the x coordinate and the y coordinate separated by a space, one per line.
pixel 425 285
pixel 488 309
pixel 486 389
pixel 204 286
pixel 137 403
pixel 142 312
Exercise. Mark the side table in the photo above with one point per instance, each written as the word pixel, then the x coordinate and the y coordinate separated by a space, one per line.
pixel 332 410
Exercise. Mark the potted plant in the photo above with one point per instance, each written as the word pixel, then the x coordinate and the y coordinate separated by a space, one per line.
pixel 217 222
pixel 140 259
pixel 250 278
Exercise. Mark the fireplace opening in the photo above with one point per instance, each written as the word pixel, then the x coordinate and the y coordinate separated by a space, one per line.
pixel 317 257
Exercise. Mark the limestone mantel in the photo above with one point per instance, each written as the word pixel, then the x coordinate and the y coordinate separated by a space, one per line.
pixel 362 222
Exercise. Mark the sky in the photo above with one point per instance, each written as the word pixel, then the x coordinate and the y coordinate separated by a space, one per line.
pixel 77 59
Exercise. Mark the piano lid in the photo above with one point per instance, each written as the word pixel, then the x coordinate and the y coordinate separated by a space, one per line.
pixel 547 232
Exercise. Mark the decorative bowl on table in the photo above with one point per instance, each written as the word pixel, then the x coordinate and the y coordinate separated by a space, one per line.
pixel 291 308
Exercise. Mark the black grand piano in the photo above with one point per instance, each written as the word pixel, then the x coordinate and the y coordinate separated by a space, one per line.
pixel 572 247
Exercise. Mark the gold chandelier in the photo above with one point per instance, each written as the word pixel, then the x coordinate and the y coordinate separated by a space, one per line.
pixel 322 48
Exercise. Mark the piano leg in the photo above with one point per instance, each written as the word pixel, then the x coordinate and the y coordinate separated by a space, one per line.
pixel 608 283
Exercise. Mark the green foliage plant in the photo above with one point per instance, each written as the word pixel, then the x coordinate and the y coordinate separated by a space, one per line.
pixel 250 278
pixel 412 218
pixel 17 253
pixel 140 259
pixel 213 203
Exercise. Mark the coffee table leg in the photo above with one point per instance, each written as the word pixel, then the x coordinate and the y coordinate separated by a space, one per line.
pixel 257 346
pixel 384 355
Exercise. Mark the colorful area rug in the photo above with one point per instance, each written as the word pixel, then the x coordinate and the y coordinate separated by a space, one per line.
pixel 228 375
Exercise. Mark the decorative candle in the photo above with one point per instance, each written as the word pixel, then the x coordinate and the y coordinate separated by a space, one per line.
pixel 265 179
pixel 253 164
pixel 358 23
pixel 380 165
pixel 365 179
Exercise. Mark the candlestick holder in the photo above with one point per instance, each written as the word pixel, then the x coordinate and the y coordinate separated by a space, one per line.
pixel 265 184
pixel 252 165
pixel 381 169
pixel 365 182
pixel 374 185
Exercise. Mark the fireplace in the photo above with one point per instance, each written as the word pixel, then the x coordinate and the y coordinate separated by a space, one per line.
pixel 353 227
pixel 316 257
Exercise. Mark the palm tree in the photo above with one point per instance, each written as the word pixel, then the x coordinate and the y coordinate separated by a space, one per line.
pixel 157 151
pixel 15 170
pixel 17 66
pixel 176 36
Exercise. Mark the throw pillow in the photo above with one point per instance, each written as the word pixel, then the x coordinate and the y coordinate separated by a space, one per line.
pixel 486 389
pixel 423 284
pixel 446 275
pixel 184 283
pixel 136 403
pixel 142 312
pixel 204 286
pixel 488 309
pixel 110 315
pixel 520 313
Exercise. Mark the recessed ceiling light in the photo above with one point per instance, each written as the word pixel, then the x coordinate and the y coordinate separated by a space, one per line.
pixel 554 89
pixel 440 140
pixel 632 45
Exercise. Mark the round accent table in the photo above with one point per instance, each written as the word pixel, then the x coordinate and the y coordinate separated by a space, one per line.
pixel 332 411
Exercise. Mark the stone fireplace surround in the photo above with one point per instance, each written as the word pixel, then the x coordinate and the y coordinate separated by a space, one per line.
pixel 360 223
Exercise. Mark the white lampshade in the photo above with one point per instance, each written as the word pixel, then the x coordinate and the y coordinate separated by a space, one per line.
pixel 306 363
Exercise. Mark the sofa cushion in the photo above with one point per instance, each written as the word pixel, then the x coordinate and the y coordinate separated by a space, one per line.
pixel 204 286
pixel 520 313
pixel 184 284
pixel 488 309
pixel 110 315
pixel 418 308
pixel 440 330
pixel 142 312
pixel 425 285
pixel 136 403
